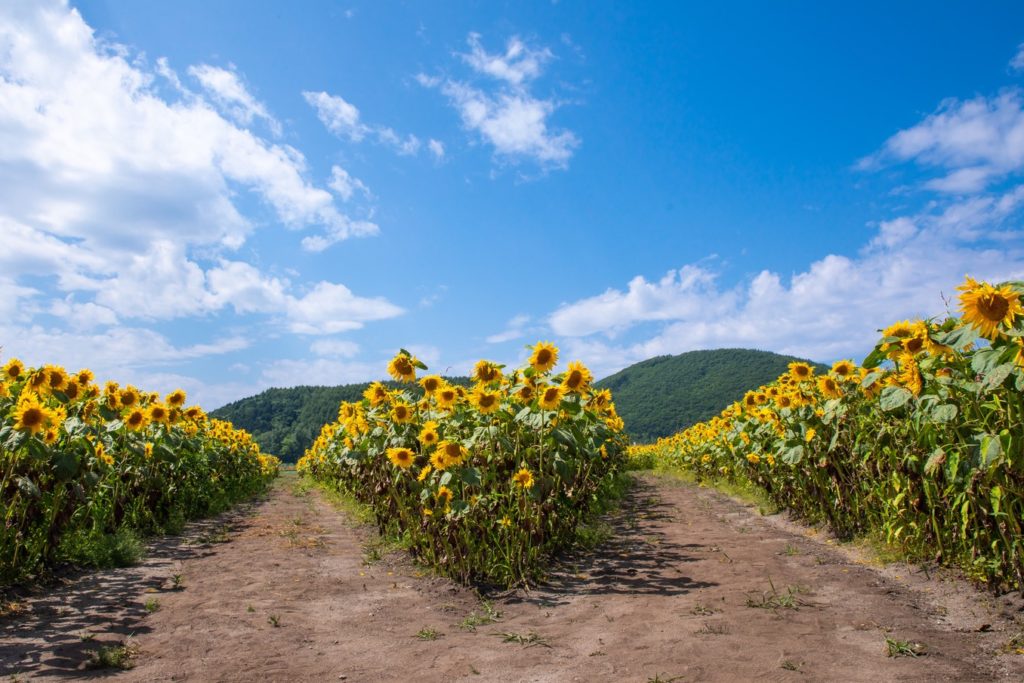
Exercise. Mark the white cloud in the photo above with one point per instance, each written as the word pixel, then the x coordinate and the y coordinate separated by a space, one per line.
pixel 342 118
pixel 515 329
pixel 1017 63
pixel 973 142
pixel 513 120
pixel 342 348
pixel 330 308
pixel 436 148
pixel 227 90
pixel 318 372
pixel 345 185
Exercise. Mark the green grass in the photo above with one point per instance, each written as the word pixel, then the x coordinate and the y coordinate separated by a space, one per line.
pixel 488 616
pixel 903 648
pixel 525 639
pixel 152 605
pixel 111 657
pixel 428 633
pixel 123 548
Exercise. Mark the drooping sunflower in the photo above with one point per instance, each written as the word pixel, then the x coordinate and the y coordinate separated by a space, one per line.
pixel 544 356
pixel 430 384
pixel 486 372
pixel 376 393
pixel 910 375
pixel 577 377
pixel 194 413
pixel 485 400
pixel 176 398
pixel 987 307
pixel 13 369
pixel 551 397
pixel 402 367
pixel 523 478
pixel 401 457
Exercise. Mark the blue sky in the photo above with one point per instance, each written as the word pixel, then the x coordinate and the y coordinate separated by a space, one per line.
pixel 234 195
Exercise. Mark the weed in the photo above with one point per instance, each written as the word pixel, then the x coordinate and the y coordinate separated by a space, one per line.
pixel 250 609
pixel 702 610
pixel 790 665
pixel 713 629
pixel 489 616
pixel 775 600
pixel 123 548
pixel 428 633
pixel 903 648
pixel 152 605
pixel 177 582
pixel 86 637
pixel 274 620
pixel 656 678
pixel 528 640
pixel 111 657
pixel 791 550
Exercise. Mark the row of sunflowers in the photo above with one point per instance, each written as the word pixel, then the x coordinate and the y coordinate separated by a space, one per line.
pixel 483 482
pixel 922 443
pixel 79 463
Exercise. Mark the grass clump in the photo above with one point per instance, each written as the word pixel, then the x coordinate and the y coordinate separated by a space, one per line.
pixel 123 548
pixel 111 657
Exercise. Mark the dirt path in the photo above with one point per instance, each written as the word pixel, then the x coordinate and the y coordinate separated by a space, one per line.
pixel 670 596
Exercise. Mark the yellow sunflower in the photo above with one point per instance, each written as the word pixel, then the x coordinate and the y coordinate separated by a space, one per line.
pixel 987 307
pixel 525 394
pixel 544 356
pixel 454 453
pixel 523 478
pixel 158 412
pixel 176 398
pixel 401 457
pixel 444 496
pixel 129 396
pixel 428 433
pixel 424 473
pixel 800 371
pixel 486 401
pixel 403 368
pixel 551 397
pixel 844 369
pixel 376 393
pixel 430 384
pixel 486 372
pixel 829 387
pixel 447 396
pixel 577 377
pixel 136 419
pixel 31 416
pixel 402 413
pixel 14 369
pixel 56 378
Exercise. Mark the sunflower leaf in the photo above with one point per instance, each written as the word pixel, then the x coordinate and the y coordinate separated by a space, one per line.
pixel 892 398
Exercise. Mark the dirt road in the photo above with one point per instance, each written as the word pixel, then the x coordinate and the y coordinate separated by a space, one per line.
pixel 692 586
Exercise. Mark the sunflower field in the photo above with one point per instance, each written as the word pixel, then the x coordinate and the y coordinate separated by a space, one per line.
pixel 922 443
pixel 81 466
pixel 482 483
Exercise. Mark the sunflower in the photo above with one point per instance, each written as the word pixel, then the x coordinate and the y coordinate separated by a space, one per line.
pixel 600 400
pixel 810 434
pixel 438 460
pixel 176 398
pixel 447 396
pixel 430 384
pixel 486 372
pixel 401 457
pixel 56 378
pixel 900 329
pixel 84 377
pixel 376 393
pixel 485 400
pixel 753 458
pixel 444 496
pixel 194 413
pixel 523 478
pixel 403 368
pixel 987 307
pixel 428 434
pixel 454 453
pixel 829 387
pixel 129 396
pixel 424 473
pixel 525 394
pixel 844 369
pixel 71 390
pixel 13 369
pixel 784 401
pixel 402 413
pixel 136 419
pixel 909 375
pixel 551 397
pixel 800 371
pixel 577 377
pixel 158 413
pixel 544 356
pixel 50 436
pixel 147 450
pixel 31 416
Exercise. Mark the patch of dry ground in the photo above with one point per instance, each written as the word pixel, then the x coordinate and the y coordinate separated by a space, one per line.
pixel 692 585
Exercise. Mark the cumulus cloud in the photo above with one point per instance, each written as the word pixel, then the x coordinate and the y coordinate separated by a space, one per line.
pixel 436 148
pixel 515 329
pixel 227 90
pixel 509 116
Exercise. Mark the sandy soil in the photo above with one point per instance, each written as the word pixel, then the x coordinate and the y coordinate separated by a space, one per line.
pixel 693 586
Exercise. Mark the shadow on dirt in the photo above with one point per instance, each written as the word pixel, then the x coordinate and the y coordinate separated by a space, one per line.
pixel 90 609
pixel 638 558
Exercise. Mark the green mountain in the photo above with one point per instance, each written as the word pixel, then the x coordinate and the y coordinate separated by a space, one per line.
pixel 660 396
pixel 655 398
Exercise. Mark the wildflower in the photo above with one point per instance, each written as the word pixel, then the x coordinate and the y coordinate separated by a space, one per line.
pixel 523 478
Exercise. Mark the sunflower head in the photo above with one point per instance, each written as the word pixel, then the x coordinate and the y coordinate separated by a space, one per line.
pixel 454 452
pixel 844 369
pixel 129 396
pixel 376 394
pixel 14 369
pixel 176 398
pixel 158 412
pixel 544 356
pixel 31 416
pixel 486 372
pixel 401 457
pixel 430 384
pixel 402 413
pixel 523 478
pixel 444 496
pixel 577 377
pixel 988 308
pixel 829 387
pixel 485 400
pixel 403 367
pixel 550 397
pixel 136 419
pixel 800 372
pixel 428 433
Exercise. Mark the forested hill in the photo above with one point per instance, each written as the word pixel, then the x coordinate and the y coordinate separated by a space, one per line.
pixel 662 395
pixel 285 422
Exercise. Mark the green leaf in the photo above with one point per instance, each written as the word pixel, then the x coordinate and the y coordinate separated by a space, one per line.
pixel 989 449
pixel 445 478
pixel 65 465
pixel 471 476
pixel 793 455
pixel 995 377
pixel 28 487
pixel 870 379
pixel 944 412
pixel 873 359
pixel 893 398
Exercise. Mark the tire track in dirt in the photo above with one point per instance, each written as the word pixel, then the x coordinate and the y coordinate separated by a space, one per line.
pixel 669 595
